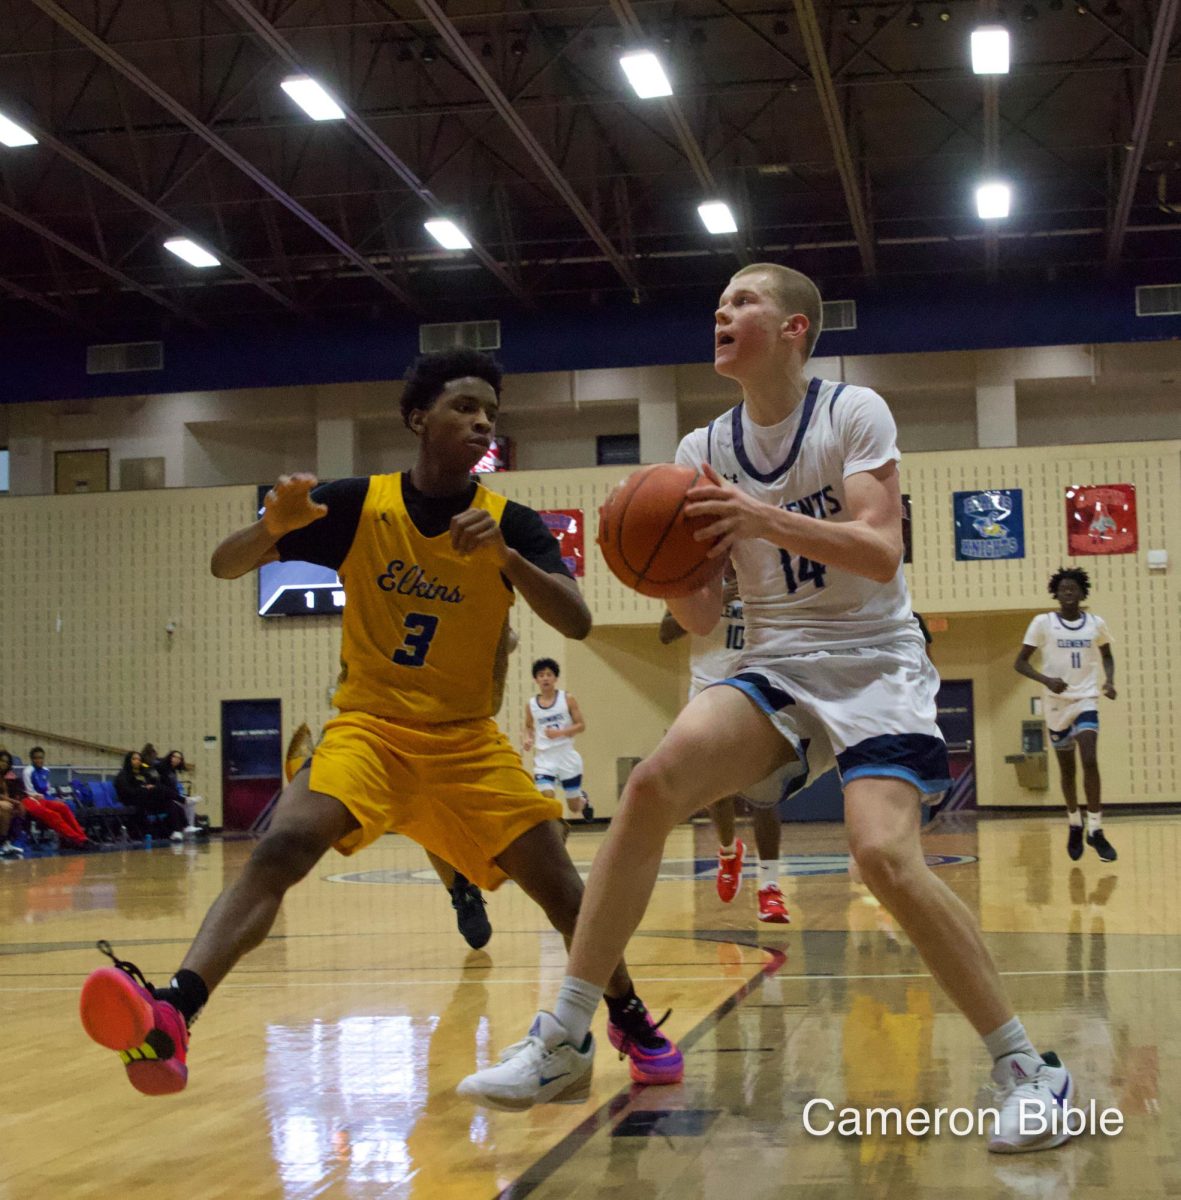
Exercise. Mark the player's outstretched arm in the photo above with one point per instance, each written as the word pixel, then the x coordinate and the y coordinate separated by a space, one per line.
pixel 869 544
pixel 287 506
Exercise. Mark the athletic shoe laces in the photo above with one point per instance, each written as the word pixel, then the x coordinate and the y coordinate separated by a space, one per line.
pixel 639 1028
pixel 128 968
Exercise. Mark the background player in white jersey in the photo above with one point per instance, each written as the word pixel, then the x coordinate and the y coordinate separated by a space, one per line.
pixel 712 659
pixel 834 662
pixel 552 721
pixel 1075 654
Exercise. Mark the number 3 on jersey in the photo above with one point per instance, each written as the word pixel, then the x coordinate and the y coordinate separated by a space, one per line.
pixel 805 572
pixel 420 629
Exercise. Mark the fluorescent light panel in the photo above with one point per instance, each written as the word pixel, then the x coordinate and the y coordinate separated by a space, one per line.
pixel 312 98
pixel 11 134
pixel 717 217
pixel 990 50
pixel 646 75
pixel 447 234
pixel 194 255
pixel 993 200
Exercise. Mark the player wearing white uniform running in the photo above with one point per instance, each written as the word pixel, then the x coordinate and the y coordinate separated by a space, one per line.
pixel 552 719
pixel 1075 653
pixel 712 659
pixel 834 662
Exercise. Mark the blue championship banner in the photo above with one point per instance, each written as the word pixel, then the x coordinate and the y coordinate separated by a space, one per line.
pixel 988 524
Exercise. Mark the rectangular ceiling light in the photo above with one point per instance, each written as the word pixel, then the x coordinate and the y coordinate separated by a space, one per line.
pixel 11 134
pixel 194 255
pixel 993 200
pixel 717 217
pixel 447 234
pixel 312 98
pixel 646 75
pixel 990 50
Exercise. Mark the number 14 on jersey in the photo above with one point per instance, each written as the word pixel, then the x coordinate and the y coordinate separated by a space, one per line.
pixel 803 571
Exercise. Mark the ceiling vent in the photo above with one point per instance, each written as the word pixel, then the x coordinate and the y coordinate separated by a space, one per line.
pixel 1159 300
pixel 121 358
pixel 839 314
pixel 467 335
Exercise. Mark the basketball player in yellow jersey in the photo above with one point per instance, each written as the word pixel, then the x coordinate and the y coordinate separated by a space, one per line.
pixel 431 564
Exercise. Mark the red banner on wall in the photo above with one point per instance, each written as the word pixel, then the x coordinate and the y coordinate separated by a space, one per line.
pixel 566 525
pixel 1101 519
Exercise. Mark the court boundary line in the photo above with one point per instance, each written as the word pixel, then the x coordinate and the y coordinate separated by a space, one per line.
pixel 566 1147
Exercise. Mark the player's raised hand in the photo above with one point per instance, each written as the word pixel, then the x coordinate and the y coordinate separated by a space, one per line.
pixel 737 515
pixel 476 528
pixel 289 505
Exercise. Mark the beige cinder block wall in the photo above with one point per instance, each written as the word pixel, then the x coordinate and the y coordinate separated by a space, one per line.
pixel 94 580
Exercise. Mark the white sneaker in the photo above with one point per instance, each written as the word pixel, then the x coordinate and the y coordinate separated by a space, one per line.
pixel 8 850
pixel 543 1067
pixel 192 829
pixel 176 836
pixel 1032 1097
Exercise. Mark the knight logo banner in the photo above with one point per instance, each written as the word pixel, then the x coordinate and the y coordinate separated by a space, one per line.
pixel 989 524
pixel 567 526
pixel 1101 519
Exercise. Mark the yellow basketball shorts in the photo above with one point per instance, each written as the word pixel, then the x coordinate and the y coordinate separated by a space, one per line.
pixel 458 789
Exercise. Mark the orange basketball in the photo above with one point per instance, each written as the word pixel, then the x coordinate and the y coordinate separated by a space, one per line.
pixel 646 538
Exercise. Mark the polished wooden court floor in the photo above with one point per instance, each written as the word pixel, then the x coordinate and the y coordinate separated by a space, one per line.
pixel 326 1066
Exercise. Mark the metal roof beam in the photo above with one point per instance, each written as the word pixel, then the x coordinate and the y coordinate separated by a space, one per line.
pixel 110 56
pixel 471 63
pixel 97 263
pixel 690 147
pixel 1162 35
pixel 837 136
pixel 280 46
pixel 153 210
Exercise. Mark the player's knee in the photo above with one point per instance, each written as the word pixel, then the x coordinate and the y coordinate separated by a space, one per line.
pixel 650 795
pixel 285 856
pixel 885 866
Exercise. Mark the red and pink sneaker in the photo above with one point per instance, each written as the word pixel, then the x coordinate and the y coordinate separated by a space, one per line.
pixel 120 1011
pixel 730 873
pixel 772 906
pixel 654 1059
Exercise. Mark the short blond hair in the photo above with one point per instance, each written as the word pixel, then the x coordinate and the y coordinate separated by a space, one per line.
pixel 794 292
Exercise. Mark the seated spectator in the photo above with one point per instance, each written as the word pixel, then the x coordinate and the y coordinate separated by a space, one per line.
pixel 168 771
pixel 151 762
pixel 40 804
pixel 10 806
pixel 136 789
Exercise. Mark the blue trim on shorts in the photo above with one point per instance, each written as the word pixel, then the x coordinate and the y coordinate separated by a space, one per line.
pixel 573 785
pixel 919 758
pixel 768 697
pixel 545 779
pixel 1061 738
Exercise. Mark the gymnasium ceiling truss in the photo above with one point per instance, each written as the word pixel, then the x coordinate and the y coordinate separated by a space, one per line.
pixel 846 137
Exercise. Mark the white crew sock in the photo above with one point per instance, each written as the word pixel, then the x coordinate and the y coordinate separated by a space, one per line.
pixel 768 872
pixel 728 851
pixel 575 1009
pixel 1094 821
pixel 1075 818
pixel 1010 1038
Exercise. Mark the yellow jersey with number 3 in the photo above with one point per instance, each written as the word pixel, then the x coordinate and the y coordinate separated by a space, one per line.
pixel 424 626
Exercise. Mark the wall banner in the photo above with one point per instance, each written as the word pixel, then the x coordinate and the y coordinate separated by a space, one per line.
pixel 989 524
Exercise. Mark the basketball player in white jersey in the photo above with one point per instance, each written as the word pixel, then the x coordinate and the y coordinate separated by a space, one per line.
pixel 552 721
pixel 1075 653
pixel 803 495
pixel 711 659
